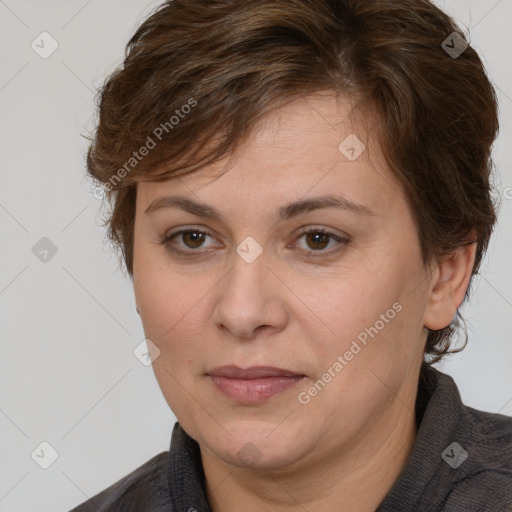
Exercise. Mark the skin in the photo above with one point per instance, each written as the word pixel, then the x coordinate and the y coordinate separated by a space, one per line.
pixel 298 306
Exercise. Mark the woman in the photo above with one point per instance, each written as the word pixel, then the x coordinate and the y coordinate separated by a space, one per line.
pixel 301 196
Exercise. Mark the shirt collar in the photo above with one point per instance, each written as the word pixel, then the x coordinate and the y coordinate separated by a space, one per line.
pixel 185 473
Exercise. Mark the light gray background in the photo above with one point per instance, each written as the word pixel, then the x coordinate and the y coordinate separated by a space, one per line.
pixel 68 375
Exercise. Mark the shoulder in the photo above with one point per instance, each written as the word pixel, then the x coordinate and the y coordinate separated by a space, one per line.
pixel 486 477
pixel 143 490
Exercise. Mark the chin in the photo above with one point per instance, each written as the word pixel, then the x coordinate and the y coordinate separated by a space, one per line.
pixel 256 445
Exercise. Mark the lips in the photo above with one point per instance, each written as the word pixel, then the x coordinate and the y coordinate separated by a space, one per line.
pixel 252 385
pixel 255 372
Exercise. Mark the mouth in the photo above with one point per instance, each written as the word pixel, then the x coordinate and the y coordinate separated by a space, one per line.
pixel 253 385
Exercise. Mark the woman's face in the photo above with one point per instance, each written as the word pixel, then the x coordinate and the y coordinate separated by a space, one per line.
pixel 340 309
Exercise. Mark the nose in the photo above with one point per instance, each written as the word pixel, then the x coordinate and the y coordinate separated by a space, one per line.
pixel 250 300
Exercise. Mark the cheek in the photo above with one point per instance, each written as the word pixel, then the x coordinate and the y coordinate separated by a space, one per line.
pixel 369 314
pixel 165 305
pixel 354 301
pixel 172 305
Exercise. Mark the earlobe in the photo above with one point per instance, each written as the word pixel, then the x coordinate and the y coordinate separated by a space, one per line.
pixel 452 276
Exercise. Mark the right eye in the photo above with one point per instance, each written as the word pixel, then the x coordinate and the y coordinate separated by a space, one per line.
pixel 191 239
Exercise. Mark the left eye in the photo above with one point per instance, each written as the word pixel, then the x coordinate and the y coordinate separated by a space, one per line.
pixel 318 239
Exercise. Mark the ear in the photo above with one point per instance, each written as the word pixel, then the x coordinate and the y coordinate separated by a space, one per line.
pixel 451 278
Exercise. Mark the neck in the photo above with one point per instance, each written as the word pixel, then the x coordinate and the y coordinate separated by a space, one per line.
pixel 350 479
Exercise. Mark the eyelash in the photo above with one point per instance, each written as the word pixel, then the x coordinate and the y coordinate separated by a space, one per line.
pixel 313 254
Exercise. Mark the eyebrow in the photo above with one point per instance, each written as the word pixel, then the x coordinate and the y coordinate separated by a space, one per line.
pixel 287 211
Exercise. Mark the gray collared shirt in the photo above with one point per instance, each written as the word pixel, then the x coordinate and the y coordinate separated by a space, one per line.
pixel 461 461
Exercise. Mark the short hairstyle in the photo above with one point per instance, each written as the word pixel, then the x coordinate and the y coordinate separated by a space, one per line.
pixel 199 74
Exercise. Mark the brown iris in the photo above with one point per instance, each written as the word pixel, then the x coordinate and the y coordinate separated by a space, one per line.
pixel 317 238
pixel 196 238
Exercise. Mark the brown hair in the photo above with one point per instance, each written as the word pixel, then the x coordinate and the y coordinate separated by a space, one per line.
pixel 199 74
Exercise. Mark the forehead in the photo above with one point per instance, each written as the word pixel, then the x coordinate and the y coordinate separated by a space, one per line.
pixel 313 145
